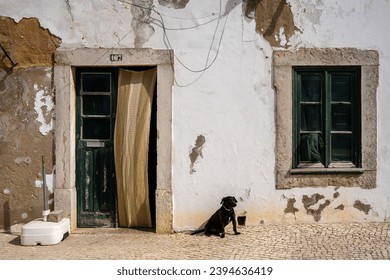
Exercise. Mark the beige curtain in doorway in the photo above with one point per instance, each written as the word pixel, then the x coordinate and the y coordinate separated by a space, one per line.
pixel 131 143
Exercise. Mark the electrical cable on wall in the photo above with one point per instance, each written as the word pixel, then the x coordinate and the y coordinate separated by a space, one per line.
pixel 121 39
pixel 167 42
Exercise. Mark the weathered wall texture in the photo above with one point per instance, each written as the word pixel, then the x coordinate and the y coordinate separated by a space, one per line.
pixel 26 119
pixel 177 4
pixel 224 91
pixel 140 22
pixel 27 42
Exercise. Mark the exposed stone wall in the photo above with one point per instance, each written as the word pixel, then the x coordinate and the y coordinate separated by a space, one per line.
pixel 26 119
pixel 27 43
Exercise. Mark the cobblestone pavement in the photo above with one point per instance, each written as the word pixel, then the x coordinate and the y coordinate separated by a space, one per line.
pixel 274 242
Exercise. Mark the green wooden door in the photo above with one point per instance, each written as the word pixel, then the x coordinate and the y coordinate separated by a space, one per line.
pixel 95 174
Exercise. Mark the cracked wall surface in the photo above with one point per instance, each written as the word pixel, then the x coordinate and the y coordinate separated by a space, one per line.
pixel 26 119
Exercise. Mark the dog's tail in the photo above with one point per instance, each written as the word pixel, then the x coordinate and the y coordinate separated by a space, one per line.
pixel 198 231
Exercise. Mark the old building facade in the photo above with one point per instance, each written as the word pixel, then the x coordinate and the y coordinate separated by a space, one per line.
pixel 281 104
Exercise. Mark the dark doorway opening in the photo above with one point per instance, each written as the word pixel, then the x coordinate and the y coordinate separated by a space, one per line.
pixel 152 159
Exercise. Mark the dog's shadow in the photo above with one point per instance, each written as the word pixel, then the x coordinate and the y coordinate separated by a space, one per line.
pixel 200 228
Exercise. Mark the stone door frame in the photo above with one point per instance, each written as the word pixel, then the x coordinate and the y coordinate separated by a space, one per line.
pixel 66 61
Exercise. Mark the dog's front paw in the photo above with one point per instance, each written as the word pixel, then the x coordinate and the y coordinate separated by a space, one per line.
pixel 222 235
pixel 237 233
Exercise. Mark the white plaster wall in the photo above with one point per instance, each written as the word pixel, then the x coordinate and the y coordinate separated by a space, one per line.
pixel 232 103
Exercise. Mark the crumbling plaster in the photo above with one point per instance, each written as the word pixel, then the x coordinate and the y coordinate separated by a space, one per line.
pixel 232 102
pixel 274 20
pixel 27 43
pixel 22 144
pixel 26 118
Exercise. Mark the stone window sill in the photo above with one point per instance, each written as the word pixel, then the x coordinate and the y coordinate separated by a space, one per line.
pixel 332 170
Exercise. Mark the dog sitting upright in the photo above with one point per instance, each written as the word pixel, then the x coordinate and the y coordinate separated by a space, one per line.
pixel 221 218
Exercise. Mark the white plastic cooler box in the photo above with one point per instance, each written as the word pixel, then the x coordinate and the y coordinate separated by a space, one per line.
pixel 41 231
pixel 44 233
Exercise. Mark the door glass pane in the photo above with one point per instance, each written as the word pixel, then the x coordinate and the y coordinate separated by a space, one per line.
pixel 341 87
pixel 310 118
pixel 341 147
pixel 96 105
pixel 311 147
pixel 96 82
pixel 96 128
pixel 341 118
pixel 310 88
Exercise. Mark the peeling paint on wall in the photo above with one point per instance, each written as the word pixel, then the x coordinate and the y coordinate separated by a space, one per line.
pixel 49 183
pixel 44 108
pixel 140 22
pixel 24 93
pixel 21 160
pixel 340 207
pixel 316 203
pixel 249 8
pixel 274 20
pixel 312 202
pixel 176 4
pixel 290 206
pixel 196 151
pixel 362 207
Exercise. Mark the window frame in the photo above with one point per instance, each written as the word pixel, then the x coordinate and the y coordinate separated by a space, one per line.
pixel 81 93
pixel 287 177
pixel 325 103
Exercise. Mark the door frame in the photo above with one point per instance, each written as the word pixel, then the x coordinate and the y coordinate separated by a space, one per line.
pixel 65 80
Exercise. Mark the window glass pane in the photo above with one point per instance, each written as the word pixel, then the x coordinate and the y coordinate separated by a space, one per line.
pixel 341 118
pixel 96 82
pixel 311 147
pixel 96 128
pixel 96 105
pixel 341 147
pixel 310 88
pixel 341 87
pixel 310 118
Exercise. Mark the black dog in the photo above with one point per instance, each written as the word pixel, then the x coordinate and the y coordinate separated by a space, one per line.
pixel 221 218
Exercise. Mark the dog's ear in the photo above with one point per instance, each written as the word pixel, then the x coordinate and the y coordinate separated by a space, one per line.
pixel 223 200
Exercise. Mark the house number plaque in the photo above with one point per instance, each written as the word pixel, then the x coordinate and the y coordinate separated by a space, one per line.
pixel 116 57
